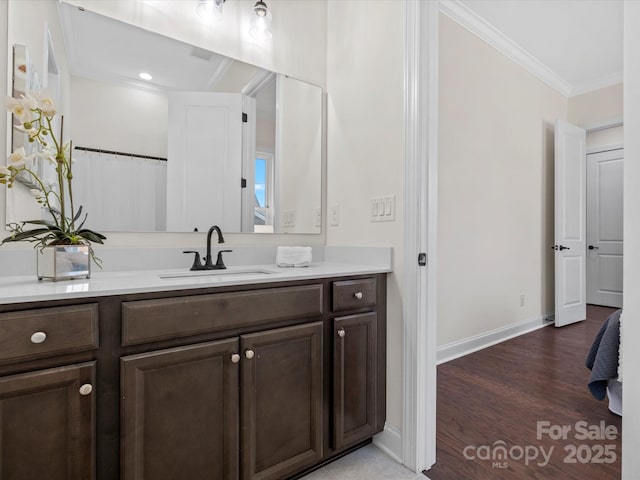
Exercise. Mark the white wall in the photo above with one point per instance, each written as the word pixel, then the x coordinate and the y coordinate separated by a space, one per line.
pixel 298 154
pixel 28 21
pixel 365 75
pixel 631 325
pixel 495 188
pixel 298 49
pixel 118 117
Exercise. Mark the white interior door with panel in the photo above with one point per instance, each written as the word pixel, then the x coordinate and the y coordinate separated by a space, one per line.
pixel 205 161
pixel 570 224
pixel 604 228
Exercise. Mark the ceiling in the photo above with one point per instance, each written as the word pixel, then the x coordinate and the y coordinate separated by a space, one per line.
pixel 579 42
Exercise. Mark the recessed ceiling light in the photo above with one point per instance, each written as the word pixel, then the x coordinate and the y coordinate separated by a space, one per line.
pixel 145 76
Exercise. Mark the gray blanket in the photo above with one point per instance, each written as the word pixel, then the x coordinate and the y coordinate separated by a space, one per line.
pixel 602 358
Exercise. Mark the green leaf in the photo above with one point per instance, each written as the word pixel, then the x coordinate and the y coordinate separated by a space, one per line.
pixel 83 220
pixel 52 226
pixel 17 237
pixel 77 215
pixel 91 236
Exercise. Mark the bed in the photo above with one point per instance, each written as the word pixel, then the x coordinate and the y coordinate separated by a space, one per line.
pixel 603 360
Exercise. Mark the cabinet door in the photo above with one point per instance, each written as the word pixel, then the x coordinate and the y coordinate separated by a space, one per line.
pixel 180 413
pixel 354 378
pixel 47 424
pixel 281 401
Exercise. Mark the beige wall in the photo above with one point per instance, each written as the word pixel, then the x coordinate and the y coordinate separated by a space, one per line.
pixel 365 74
pixel 304 58
pixel 598 106
pixel 495 188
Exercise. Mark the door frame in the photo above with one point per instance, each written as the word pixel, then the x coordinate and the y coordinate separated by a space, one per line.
pixel 420 223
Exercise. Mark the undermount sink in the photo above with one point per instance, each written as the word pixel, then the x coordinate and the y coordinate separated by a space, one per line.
pixel 231 271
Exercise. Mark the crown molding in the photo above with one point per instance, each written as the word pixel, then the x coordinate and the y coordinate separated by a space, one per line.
pixel 467 18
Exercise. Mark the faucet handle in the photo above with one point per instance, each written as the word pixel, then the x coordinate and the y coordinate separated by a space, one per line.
pixel 197 264
pixel 219 262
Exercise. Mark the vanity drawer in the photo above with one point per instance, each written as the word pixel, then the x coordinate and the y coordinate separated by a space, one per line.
pixel 350 294
pixel 45 332
pixel 154 320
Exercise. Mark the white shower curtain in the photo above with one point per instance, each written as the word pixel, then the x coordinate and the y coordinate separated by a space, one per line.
pixel 120 192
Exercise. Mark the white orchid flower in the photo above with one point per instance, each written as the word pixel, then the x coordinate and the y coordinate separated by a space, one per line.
pixel 46 104
pixel 22 113
pixel 36 192
pixel 18 158
pixel 29 102
pixel 4 171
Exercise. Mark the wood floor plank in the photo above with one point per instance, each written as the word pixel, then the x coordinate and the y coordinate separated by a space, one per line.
pixel 499 394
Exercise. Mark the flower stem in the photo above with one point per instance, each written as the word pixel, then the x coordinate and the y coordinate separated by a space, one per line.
pixel 44 191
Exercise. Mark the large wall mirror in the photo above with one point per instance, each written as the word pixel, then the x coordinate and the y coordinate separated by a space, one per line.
pixel 206 140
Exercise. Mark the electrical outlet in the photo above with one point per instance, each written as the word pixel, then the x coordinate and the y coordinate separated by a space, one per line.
pixel 334 216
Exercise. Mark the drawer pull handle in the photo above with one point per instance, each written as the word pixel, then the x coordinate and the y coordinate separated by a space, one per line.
pixel 86 389
pixel 358 295
pixel 249 354
pixel 235 358
pixel 341 333
pixel 38 337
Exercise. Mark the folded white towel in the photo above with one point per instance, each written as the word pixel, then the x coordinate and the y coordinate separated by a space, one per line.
pixel 293 256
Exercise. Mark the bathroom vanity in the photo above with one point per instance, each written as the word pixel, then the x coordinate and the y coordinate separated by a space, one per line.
pixel 252 378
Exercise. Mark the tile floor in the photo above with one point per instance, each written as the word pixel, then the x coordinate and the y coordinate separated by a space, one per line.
pixel 367 463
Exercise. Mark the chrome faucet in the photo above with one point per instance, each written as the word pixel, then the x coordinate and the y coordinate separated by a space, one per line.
pixel 208 263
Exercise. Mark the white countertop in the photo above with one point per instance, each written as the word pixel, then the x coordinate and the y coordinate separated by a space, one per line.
pixel 17 289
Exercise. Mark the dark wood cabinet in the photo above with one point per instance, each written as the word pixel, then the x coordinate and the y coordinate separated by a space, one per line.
pixel 47 424
pixel 237 382
pixel 180 413
pixel 355 378
pixel 281 401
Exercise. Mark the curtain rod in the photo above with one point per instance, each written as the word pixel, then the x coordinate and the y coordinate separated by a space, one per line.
pixel 124 154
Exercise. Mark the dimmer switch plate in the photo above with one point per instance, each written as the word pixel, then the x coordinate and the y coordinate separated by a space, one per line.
pixel 383 209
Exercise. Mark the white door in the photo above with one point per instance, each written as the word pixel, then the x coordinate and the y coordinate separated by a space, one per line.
pixel 604 228
pixel 570 224
pixel 205 161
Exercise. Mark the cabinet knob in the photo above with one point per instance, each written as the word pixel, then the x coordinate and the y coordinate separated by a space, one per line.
pixel 38 337
pixel 235 358
pixel 358 295
pixel 341 333
pixel 86 389
pixel 249 354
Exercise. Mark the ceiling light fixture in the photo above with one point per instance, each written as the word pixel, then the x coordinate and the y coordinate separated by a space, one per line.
pixel 260 21
pixel 210 10
pixel 145 76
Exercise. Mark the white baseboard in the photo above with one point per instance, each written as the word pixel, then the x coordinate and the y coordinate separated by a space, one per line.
pixel 460 348
pixel 390 442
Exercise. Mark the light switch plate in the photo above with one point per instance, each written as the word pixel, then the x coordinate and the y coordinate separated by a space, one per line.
pixel 383 209
pixel 334 215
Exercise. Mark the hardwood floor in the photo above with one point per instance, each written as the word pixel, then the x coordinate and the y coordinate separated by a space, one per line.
pixel 501 393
